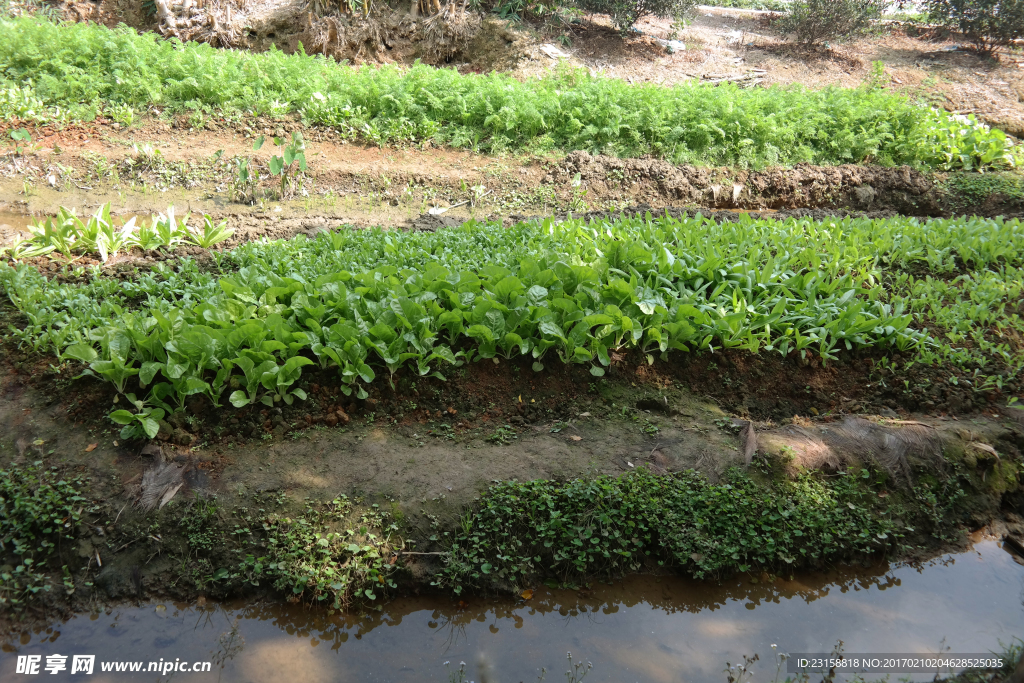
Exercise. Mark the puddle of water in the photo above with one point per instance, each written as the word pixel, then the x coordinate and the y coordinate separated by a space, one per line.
pixel 640 629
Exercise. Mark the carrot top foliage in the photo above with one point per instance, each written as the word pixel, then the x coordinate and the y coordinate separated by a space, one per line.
pixel 84 68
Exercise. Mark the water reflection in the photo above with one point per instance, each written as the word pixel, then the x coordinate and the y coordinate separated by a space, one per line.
pixel 666 594
pixel 642 628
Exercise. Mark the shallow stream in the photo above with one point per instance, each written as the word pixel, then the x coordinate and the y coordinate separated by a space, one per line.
pixel 637 629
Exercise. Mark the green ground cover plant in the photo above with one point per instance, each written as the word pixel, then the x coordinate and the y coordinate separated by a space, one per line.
pixel 570 531
pixel 39 507
pixel 310 559
pixel 82 69
pixel 69 237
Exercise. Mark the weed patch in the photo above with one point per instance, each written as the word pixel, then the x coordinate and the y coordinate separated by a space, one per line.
pixel 39 507
pixel 605 526
pixel 310 559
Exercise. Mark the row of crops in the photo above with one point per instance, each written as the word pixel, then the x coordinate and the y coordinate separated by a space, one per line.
pixel 70 237
pixel 61 72
pixel 368 304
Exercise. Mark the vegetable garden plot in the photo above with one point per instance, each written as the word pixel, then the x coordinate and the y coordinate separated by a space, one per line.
pixel 52 72
pixel 367 303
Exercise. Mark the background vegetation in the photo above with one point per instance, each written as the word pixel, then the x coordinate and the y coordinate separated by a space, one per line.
pixel 54 72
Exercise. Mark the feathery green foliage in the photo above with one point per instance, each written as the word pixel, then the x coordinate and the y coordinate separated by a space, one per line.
pixel 84 67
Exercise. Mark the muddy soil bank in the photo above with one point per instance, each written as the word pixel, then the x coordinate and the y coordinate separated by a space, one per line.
pixel 150 166
pixel 426 451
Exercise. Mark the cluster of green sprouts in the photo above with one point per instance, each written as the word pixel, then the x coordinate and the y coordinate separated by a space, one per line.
pixel 70 237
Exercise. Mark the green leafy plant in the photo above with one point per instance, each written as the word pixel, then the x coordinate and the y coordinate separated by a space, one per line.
pixel 70 236
pixel 363 302
pixel 292 153
pixel 146 422
pixel 121 113
pixel 19 139
pixel 247 178
pixel 212 234
pixel 988 24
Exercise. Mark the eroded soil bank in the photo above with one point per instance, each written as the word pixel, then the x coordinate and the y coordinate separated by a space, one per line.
pixel 421 455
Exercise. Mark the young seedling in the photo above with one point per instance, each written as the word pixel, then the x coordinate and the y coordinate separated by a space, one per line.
pixel 211 234
pixel 243 189
pixel 291 153
pixel 20 138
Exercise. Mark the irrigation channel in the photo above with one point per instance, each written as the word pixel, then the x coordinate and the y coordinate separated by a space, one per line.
pixel 642 628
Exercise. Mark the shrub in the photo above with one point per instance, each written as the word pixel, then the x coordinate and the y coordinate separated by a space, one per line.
pixel 816 21
pixel 625 13
pixel 986 23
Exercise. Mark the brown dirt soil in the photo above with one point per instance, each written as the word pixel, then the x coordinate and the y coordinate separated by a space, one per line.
pixel 89 165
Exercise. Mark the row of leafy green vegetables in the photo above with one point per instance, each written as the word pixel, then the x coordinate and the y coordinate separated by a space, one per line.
pixel 51 72
pixel 368 303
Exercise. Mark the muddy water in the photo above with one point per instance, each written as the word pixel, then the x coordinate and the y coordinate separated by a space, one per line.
pixel 639 629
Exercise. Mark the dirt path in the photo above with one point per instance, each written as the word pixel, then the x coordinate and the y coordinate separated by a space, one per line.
pixel 157 164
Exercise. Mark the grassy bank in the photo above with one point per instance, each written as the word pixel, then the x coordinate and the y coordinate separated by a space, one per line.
pixel 81 70
pixel 341 551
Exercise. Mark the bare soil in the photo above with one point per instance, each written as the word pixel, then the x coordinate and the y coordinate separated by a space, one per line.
pixel 159 163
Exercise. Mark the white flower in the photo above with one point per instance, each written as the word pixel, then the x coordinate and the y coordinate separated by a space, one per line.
pixel 319 97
